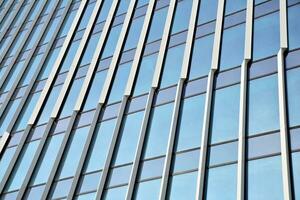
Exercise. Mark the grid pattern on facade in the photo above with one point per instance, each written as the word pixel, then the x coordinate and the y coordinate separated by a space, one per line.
pixel 149 99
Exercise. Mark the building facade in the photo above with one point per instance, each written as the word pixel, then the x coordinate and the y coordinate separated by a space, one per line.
pixel 150 99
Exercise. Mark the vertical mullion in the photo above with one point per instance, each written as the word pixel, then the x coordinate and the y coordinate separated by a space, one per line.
pixel 155 83
pixel 178 98
pixel 12 18
pixel 284 143
pixel 14 61
pixel 11 41
pixel 127 93
pixel 208 100
pixel 243 102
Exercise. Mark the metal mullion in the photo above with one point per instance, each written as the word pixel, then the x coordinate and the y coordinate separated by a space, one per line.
pixel 45 91
pixel 14 61
pixel 16 32
pixel 36 74
pixel 6 9
pixel 12 18
pixel 154 86
pixel 178 98
pixel 128 90
pixel 243 102
pixel 208 101
pixel 283 121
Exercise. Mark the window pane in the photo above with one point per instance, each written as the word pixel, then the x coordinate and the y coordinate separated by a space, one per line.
pixel 148 190
pixel 201 57
pixel 266 36
pixel 294 26
pixel 157 25
pixel 73 152
pixel 112 40
pixel 182 16
pixel 232 51
pixel 225 119
pixel 134 33
pixel 207 11
pixel 172 66
pixel 265 179
pixel 234 5
pixel 186 161
pixel 5 160
pixel 183 186
pixel 100 145
pixel 263 105
pixel 115 193
pixel 158 131
pixel 129 138
pixel 296 173
pixel 190 123
pixel 293 87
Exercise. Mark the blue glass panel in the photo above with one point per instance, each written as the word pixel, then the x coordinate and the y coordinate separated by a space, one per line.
pixel 207 11
pixel 172 66
pixel 16 179
pixel 186 161
pixel 182 16
pixel 293 88
pixel 157 25
pixel 89 182
pixel 13 76
pixel 296 174
pixel 158 131
pixel 190 123
pixel 232 51
pixel 90 49
pixel 145 75
pixel 100 146
pixel 72 156
pixel 134 33
pixel 263 111
pixel 7 117
pixel 129 138
pixel 50 30
pixel 111 41
pixel 221 183
pixel 89 196
pixel 86 16
pixel 104 11
pixel 265 179
pixel 119 175
pixel 61 188
pixel 33 65
pixel 5 160
pixel 183 186
pixel 123 6
pixel 234 6
pixel 43 169
pixel 115 193
pixel 70 55
pixel 148 190
pixel 266 36
pixel 47 67
pixel 294 26
pixel 67 23
pixel 33 36
pixel 201 57
pixel 225 119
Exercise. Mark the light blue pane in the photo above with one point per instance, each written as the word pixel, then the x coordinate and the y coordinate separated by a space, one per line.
pixel 129 138
pixel 201 57
pixel 207 11
pixel 190 123
pixel 12 107
pixel 172 66
pixel 13 76
pixel 49 6
pixel 134 33
pixel 296 174
pixel 50 30
pixel 47 67
pixel 44 117
pixel 34 36
pixel 27 111
pixel 225 116
pixel 232 51
pixel 72 97
pixel 158 132
pixel 294 26
pixel 104 11
pixel 70 55
pixel 90 50
pixel 221 183
pixel 89 196
pixel 148 190
pixel 145 75
pixel 157 25
pixel 33 12
pixel 95 90
pixel 234 6
pixel 266 36
pixel 100 146
pixel 111 43
pixel 22 166
pixel 73 153
pixel 123 6
pixel 142 2
pixel 119 84
pixel 67 23
pixel 182 16
pixel 293 88
pixel 115 193
pixel 265 179
pixel 86 16
pixel 263 105
pixel 5 160
pixel 33 65
pixel 183 186
pixel 44 167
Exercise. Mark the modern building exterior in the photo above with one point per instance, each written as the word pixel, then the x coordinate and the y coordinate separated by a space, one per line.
pixel 150 99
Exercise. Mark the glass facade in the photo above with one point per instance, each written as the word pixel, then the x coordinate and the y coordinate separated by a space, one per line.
pixel 121 99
